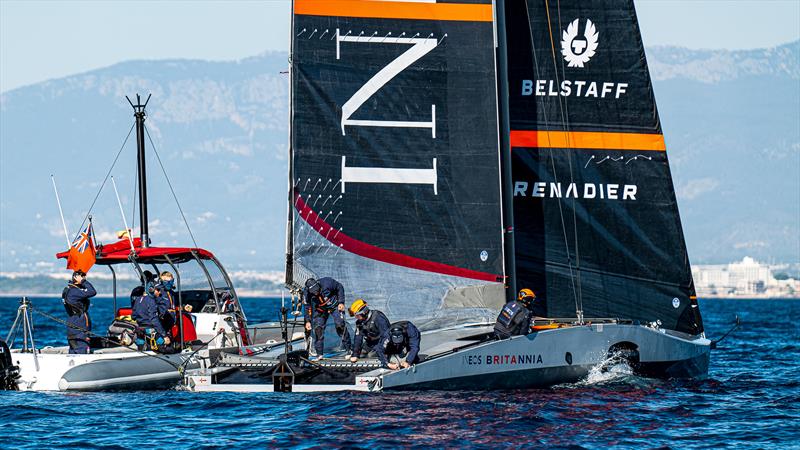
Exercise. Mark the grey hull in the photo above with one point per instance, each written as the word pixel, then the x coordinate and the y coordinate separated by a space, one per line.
pixel 143 373
pixel 554 357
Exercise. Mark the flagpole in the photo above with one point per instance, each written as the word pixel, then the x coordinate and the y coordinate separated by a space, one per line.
pixel 60 211
pixel 124 221
pixel 94 240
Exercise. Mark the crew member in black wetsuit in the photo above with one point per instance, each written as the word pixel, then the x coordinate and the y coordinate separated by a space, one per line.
pixel 76 301
pixel 371 324
pixel 402 339
pixel 324 298
pixel 515 317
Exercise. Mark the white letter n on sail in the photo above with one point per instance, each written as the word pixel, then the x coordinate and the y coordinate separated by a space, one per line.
pixel 388 175
pixel 420 47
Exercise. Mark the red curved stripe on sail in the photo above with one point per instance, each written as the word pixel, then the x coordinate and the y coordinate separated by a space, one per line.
pixel 360 248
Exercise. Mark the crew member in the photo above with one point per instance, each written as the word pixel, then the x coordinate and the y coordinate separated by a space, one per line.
pixel 371 324
pixel 323 298
pixel 147 282
pixel 168 301
pixel 76 301
pixel 401 339
pixel 515 317
pixel 146 314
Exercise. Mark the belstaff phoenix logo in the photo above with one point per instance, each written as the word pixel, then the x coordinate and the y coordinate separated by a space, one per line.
pixel 578 50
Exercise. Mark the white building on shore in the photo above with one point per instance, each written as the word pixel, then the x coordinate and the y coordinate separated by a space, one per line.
pixel 745 278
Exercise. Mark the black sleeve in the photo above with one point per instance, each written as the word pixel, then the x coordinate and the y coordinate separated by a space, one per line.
pixel 380 353
pixel 383 324
pixel 520 324
pixel 413 344
pixel 340 294
pixel 358 342
pixel 89 290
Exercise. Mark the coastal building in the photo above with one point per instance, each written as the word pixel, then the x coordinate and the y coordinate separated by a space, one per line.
pixel 745 278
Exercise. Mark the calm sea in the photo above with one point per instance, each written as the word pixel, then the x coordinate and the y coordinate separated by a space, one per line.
pixel 750 400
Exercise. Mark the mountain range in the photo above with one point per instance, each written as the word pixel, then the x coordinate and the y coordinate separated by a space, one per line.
pixel 731 121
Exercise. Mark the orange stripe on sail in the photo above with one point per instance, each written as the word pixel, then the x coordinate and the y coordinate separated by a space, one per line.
pixel 394 10
pixel 589 140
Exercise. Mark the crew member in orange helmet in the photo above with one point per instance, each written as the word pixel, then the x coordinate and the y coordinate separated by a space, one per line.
pixel 515 317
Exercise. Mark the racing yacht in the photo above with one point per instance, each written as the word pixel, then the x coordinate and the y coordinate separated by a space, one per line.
pixel 444 155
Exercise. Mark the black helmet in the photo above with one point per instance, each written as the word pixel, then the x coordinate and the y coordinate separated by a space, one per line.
pixel 397 335
pixel 78 272
pixel 313 287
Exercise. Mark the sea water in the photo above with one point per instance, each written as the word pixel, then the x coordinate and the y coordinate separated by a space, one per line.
pixel 751 399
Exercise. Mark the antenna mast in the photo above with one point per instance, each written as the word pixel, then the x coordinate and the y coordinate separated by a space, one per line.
pixel 141 170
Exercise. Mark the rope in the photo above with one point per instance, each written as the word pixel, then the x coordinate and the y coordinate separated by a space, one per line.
pixel 736 325
pixel 104 182
pixel 170 185
pixel 574 213
pixel 553 165
pixel 183 364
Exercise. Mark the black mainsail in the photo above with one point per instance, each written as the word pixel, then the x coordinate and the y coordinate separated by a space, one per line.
pixel 395 174
pixel 395 179
pixel 596 221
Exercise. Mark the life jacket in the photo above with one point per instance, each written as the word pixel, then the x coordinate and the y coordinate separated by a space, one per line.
pixel 369 327
pixel 323 306
pixel 168 295
pixel 405 345
pixel 72 309
pixel 512 320
pixel 509 312
pixel 145 311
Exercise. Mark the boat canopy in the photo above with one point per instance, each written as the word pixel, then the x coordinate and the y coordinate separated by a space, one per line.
pixel 119 252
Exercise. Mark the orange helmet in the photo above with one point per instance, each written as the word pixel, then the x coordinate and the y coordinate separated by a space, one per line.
pixel 358 306
pixel 526 295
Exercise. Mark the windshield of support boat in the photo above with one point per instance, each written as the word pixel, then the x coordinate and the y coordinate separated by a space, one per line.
pixel 217 277
pixel 192 277
pixel 127 280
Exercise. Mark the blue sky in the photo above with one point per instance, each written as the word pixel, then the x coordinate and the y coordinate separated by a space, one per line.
pixel 40 40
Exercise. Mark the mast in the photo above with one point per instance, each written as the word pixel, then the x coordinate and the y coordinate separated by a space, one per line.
pixel 139 114
pixel 505 152
pixel 290 200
